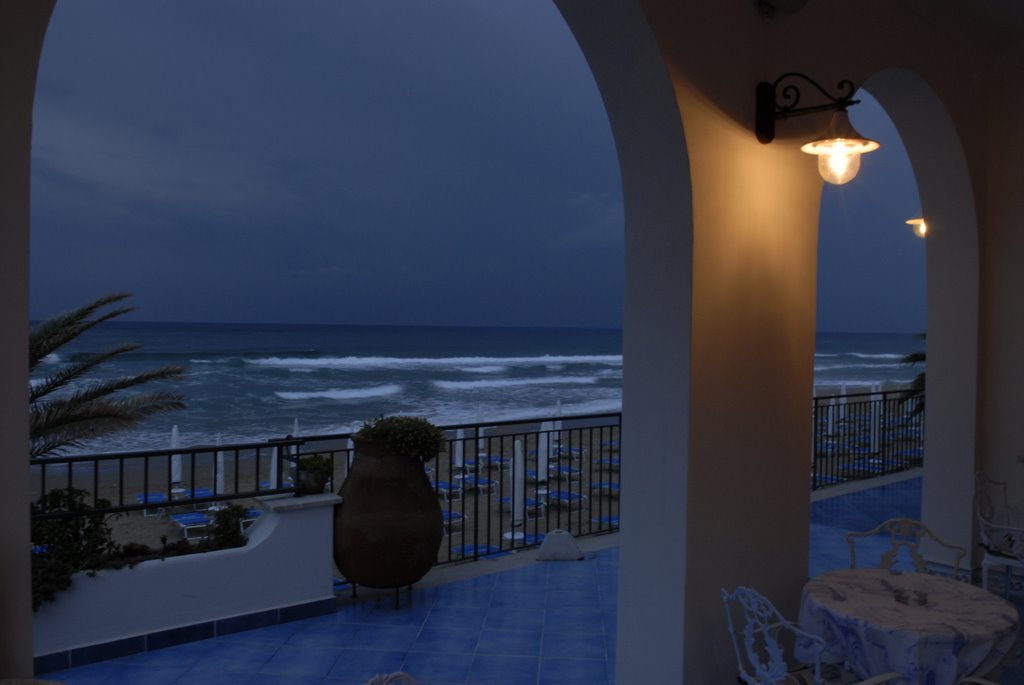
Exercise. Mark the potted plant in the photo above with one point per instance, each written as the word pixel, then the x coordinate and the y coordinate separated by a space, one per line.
pixel 312 474
pixel 387 530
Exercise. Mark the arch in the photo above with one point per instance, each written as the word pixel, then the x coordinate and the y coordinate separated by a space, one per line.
pixel 22 28
pixel 947 201
pixel 646 123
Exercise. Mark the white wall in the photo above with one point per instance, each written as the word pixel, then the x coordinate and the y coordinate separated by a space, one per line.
pixel 287 561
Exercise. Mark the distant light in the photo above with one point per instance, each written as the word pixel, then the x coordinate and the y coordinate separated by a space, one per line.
pixel 920 227
pixel 839 149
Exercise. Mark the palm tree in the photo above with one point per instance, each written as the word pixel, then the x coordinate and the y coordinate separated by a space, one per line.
pixel 61 416
pixel 916 385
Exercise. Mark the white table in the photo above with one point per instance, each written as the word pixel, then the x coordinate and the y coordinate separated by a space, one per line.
pixel 934 629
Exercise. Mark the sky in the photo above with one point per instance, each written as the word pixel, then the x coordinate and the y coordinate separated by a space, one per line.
pixel 368 162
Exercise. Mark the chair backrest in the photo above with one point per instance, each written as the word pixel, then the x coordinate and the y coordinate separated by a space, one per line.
pixel 905 534
pixel 765 632
pixel 1000 526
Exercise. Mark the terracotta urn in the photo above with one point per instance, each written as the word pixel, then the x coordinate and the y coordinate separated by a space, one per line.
pixel 387 530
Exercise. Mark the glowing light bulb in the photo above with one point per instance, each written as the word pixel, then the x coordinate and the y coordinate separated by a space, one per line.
pixel 839 166
pixel 920 227
pixel 839 150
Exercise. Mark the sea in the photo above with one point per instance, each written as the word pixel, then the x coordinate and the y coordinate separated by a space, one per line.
pixel 253 382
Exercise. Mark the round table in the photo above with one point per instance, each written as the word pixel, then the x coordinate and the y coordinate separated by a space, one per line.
pixel 931 628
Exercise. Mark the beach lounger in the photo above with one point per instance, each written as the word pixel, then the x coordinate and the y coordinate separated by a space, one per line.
pixel 479 483
pixel 572 452
pixel 534 508
pixel 251 515
pixel 569 500
pixel 607 489
pixel 608 464
pixel 612 521
pixel 192 525
pixel 152 498
pixel 199 493
pixel 471 551
pixel 564 472
pixel 452 521
pixel 448 491
pixel 497 462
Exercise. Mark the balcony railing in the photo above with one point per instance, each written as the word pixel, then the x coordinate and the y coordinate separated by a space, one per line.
pixel 866 435
pixel 502 486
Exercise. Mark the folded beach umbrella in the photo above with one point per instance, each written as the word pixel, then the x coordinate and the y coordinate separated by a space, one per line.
pixel 518 484
pixel 219 480
pixel 175 458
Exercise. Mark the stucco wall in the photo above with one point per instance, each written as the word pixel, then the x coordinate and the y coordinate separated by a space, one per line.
pixel 288 561
pixel 21 35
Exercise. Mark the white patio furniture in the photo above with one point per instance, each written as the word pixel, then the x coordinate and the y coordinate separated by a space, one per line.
pixel 933 629
pixel 763 632
pixel 906 534
pixel 1000 527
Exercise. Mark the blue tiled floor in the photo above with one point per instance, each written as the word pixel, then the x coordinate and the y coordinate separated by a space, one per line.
pixel 536 624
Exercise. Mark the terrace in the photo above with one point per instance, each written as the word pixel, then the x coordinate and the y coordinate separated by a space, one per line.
pixel 496 507
pixel 508 621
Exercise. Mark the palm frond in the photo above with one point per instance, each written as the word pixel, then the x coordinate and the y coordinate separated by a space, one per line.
pixel 64 422
pixel 52 334
pixel 76 370
pixel 59 420
pixel 103 388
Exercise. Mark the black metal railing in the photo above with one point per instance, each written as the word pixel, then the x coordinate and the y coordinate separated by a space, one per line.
pixel 502 486
pixel 866 435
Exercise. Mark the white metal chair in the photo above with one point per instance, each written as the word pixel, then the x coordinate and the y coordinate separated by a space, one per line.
pixel 1000 527
pixel 906 534
pixel 766 633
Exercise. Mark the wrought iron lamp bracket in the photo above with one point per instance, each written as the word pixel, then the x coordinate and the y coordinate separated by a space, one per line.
pixel 774 104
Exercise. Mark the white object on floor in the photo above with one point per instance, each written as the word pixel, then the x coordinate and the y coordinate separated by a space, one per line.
pixel 559 545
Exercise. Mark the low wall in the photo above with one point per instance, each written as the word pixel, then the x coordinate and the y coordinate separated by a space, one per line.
pixel 284 572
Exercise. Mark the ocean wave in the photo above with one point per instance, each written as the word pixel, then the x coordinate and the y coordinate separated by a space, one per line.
pixel 509 383
pixel 52 358
pixel 350 394
pixel 372 363
pixel 887 355
pixel 834 367
pixel 490 368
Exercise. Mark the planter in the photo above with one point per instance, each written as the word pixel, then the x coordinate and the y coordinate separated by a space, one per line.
pixel 307 483
pixel 387 530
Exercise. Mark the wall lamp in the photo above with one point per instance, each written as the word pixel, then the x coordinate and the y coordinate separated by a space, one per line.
pixel 838 148
pixel 920 227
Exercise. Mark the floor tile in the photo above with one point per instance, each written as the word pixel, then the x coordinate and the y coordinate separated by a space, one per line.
pixel 397 638
pixel 503 670
pixel 446 641
pixel 363 664
pixel 291 660
pixel 434 666
pixel 510 642
pixel 576 645
pixel 514 619
pixel 561 671
pixel 234 657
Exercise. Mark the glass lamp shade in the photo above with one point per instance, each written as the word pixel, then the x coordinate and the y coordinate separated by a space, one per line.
pixel 839 149
pixel 920 227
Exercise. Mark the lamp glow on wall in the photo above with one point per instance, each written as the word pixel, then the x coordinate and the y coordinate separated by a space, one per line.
pixel 838 148
pixel 920 227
